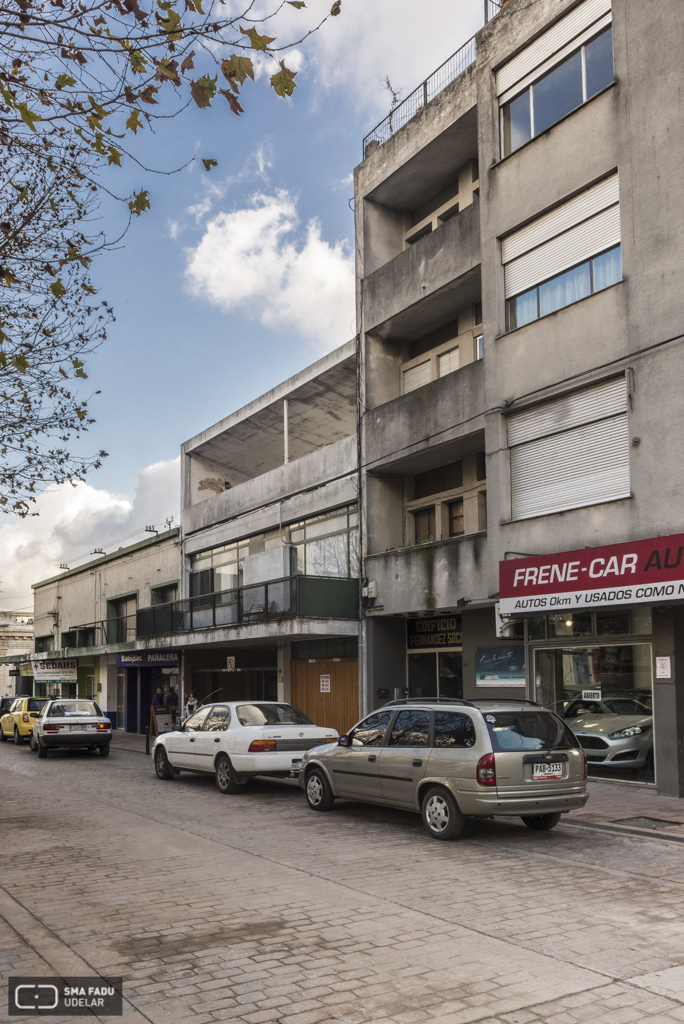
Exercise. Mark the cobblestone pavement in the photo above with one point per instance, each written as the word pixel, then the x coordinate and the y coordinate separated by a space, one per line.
pixel 253 909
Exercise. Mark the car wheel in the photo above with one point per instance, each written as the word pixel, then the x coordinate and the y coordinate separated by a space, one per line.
pixel 3 738
pixel 226 779
pixel 441 815
pixel 42 749
pixel 542 822
pixel 319 795
pixel 18 738
pixel 104 750
pixel 161 764
pixel 32 743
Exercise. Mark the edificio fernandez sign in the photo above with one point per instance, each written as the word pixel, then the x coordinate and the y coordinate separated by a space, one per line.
pixel 638 572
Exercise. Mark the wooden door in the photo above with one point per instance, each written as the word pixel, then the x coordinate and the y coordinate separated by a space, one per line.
pixel 338 709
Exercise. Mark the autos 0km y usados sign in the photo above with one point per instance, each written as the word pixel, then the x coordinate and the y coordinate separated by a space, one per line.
pixel 636 572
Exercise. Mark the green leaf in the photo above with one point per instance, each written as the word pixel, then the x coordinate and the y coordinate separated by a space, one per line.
pixel 257 42
pixel 114 156
pixel 203 90
pixel 172 24
pixel 28 116
pixel 57 288
pixel 20 363
pixel 78 367
pixel 53 205
pixel 138 65
pixel 284 81
pixel 139 203
pixel 208 164
pixel 64 80
pixel 133 121
pixel 237 69
pixel 81 413
pixel 168 68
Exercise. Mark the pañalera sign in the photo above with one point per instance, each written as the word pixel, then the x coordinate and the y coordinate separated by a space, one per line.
pixel 440 631
pixel 637 572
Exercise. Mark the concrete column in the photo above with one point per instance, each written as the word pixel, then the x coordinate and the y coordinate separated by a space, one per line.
pixel 284 677
pixel 668 701
pixel 286 433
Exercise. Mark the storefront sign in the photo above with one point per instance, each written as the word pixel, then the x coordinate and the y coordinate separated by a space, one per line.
pixel 638 572
pixel 148 659
pixel 63 670
pixel 436 632
pixel 13 672
pixel 325 684
pixel 500 666
pixel 26 669
pixel 591 694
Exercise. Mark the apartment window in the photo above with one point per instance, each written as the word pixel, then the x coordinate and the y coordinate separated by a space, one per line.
pixel 456 518
pixel 447 362
pixel 436 481
pixel 425 525
pixel 571 452
pixel 44 643
pixel 165 594
pixel 556 74
pixel 564 255
pixel 417 376
pixel 479 347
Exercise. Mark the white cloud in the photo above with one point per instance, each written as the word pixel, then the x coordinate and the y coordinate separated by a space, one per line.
pixel 73 521
pixel 247 261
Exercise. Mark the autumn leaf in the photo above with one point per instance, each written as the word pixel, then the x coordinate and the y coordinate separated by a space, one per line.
pixel 57 288
pixel 64 80
pixel 138 65
pixel 336 8
pixel 139 203
pixel 133 121
pixel 296 3
pixel 28 116
pixel 167 68
pixel 208 164
pixel 114 156
pixel 81 413
pixel 236 69
pixel 284 81
pixel 203 89
pixel 89 289
pixel 257 42
pixel 20 362
pixel 78 367
pixel 172 23
pixel 147 95
pixel 233 101
pixel 188 64
pixel 8 277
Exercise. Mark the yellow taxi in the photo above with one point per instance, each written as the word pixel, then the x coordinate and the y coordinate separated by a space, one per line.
pixel 17 722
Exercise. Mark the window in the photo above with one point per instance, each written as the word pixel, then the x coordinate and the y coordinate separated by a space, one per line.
pixel 533 100
pixel 586 279
pixel 164 595
pixel 270 714
pixel 436 481
pixel 479 347
pixel 196 721
pixel 371 732
pixel 218 719
pixel 44 643
pixel 425 525
pixel 447 362
pixel 456 518
pixel 571 452
pixel 416 376
pixel 74 709
pixel 410 729
pixel 564 255
pixel 528 730
pixel 453 730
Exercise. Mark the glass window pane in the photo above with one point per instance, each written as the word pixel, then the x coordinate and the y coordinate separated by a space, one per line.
pixel 450 668
pixel 353 553
pixel 425 525
pixel 607 268
pixel 517 128
pixel 522 309
pixel 557 93
pixel 456 518
pixel 371 732
pixel 297 535
pixel 331 525
pixel 411 729
pixel 528 730
pixel 453 730
pixel 422 675
pixel 328 556
pixel 218 720
pixel 599 61
pixel 566 288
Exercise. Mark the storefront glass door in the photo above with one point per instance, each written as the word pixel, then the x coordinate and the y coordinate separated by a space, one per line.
pixel 605 694
pixel 435 674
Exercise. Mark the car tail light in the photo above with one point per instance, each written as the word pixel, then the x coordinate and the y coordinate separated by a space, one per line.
pixel 104 725
pixel 586 765
pixel 25 718
pixel 262 746
pixel 486 772
pixel 51 728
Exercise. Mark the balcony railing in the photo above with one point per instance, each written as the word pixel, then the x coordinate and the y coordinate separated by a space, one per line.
pixel 321 597
pixel 427 90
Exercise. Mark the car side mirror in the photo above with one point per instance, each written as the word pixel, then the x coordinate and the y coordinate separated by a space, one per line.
pixel 176 727
pixel 344 741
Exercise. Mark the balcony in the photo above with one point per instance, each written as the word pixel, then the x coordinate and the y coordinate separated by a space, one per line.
pixel 98 634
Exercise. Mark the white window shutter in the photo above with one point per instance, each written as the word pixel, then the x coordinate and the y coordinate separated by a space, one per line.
pixel 417 376
pixel 448 362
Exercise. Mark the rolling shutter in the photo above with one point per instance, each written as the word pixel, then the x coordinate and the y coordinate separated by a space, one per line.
pixel 417 376
pixel 448 362
pixel 571 452
pixel 582 21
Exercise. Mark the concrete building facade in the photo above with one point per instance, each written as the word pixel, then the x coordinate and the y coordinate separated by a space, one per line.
pixel 519 241
pixel 16 637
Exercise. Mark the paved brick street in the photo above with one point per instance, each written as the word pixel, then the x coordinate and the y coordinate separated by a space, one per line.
pixel 252 908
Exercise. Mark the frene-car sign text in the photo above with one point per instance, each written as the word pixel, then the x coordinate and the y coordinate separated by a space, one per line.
pixel 637 572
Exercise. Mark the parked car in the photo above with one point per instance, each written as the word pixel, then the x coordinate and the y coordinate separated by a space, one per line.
pixel 616 731
pixel 236 740
pixel 449 759
pixel 71 722
pixel 18 721
pixel 7 702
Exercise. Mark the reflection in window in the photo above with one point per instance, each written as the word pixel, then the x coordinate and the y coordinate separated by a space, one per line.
pixel 453 730
pixel 371 732
pixel 562 290
pixel 558 92
pixel 411 729
pixel 218 720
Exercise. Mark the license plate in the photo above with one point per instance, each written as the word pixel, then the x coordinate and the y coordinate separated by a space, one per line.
pixel 296 763
pixel 547 771
pixel 82 727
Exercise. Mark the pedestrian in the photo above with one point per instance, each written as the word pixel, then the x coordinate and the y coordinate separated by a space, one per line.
pixel 158 699
pixel 191 705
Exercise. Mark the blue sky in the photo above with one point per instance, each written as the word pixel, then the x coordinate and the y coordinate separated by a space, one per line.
pixel 272 287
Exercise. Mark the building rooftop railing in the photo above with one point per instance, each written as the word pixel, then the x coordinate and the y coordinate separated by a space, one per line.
pixel 402 113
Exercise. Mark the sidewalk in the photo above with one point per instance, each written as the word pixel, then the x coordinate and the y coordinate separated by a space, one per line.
pixel 626 807
pixel 128 741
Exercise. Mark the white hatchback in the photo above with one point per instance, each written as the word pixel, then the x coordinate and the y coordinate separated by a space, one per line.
pixel 237 740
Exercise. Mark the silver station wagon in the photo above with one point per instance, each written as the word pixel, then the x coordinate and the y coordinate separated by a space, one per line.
pixel 449 759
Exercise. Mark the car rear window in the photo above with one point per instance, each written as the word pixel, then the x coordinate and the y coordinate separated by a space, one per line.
pixel 528 730
pixel 270 714
pixel 35 705
pixel 73 709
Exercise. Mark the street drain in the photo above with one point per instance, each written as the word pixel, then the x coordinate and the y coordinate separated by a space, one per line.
pixel 653 823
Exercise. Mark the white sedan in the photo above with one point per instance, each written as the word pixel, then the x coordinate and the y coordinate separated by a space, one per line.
pixel 236 740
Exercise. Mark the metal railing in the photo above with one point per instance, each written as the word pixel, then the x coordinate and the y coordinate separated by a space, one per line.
pixel 99 634
pixel 309 596
pixel 402 113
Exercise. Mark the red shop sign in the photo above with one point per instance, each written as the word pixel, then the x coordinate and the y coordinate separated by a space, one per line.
pixel 638 572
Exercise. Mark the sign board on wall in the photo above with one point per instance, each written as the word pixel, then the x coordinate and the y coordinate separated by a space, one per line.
pixel 26 669
pixel 325 684
pixel 148 659
pixel 230 664
pixel 64 670
pixel 500 666
pixel 636 572
pixel 440 631
pixel 663 668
